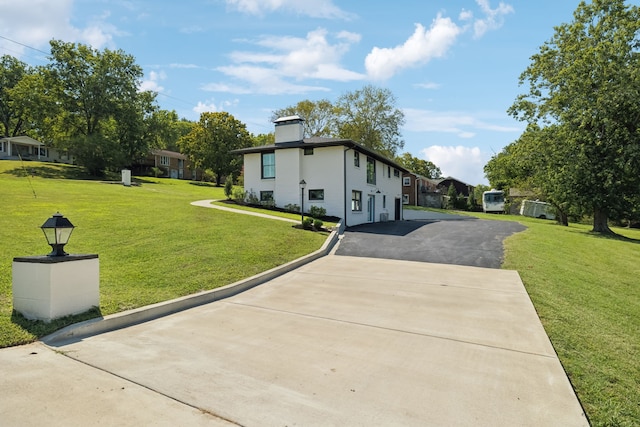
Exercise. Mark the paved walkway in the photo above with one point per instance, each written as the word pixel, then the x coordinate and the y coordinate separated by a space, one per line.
pixel 339 341
pixel 208 204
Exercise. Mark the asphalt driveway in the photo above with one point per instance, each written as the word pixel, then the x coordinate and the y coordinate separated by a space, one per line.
pixel 444 239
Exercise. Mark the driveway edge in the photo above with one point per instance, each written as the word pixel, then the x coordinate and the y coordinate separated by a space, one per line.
pixel 78 331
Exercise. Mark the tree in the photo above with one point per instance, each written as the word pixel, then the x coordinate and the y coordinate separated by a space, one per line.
pixel 369 116
pixel 211 141
pixel 452 197
pixel 12 71
pixel 419 166
pixel 101 117
pixel 319 116
pixel 585 81
pixel 263 139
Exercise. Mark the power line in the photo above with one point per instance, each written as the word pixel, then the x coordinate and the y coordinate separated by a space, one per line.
pixel 25 45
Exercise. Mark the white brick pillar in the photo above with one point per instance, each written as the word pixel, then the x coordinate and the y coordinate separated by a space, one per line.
pixel 46 288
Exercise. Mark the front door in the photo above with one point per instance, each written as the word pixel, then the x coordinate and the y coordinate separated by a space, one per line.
pixel 398 207
pixel 371 208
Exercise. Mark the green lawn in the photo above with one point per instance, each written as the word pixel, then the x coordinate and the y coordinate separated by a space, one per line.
pixel 153 245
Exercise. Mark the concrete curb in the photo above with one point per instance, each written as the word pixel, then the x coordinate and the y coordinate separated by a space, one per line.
pixel 78 331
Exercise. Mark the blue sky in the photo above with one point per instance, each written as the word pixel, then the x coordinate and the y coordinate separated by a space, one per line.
pixel 452 65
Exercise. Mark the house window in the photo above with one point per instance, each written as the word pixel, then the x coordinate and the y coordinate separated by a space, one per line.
pixel 356 159
pixel 405 199
pixel 316 194
pixel 406 181
pixel 266 196
pixel 268 165
pixel 396 173
pixel 164 160
pixel 44 152
pixel 371 171
pixel 308 151
pixel 388 171
pixel 356 201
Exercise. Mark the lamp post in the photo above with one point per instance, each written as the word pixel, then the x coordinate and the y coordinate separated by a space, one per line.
pixel 302 185
pixel 57 230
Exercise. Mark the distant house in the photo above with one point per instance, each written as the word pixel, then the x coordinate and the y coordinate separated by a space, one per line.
pixel 418 190
pixel 172 165
pixel 27 148
pixel 346 179
pixel 461 187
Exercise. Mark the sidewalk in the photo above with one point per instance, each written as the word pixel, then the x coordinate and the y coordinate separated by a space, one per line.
pixel 339 341
pixel 207 204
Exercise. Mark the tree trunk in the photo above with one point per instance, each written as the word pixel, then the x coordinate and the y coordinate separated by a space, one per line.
pixel 563 219
pixel 601 221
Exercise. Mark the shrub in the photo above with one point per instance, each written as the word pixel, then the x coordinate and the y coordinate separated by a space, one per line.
pixel 317 211
pixel 239 195
pixel 317 224
pixel 228 187
pixel 292 207
pixel 307 223
pixel 251 198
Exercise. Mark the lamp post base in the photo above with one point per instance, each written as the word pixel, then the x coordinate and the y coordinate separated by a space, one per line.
pixel 49 287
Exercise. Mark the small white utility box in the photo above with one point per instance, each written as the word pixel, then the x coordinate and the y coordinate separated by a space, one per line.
pixel 46 288
pixel 126 177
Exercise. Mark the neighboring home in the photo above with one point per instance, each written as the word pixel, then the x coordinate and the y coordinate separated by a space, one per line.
pixel 27 148
pixel 461 187
pixel 346 179
pixel 172 164
pixel 418 190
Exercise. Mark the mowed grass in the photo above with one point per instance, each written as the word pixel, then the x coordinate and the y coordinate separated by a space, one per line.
pixel 153 245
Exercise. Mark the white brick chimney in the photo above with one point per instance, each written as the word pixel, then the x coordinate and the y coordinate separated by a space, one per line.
pixel 289 129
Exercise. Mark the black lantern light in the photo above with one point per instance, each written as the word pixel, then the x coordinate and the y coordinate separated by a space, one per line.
pixel 303 183
pixel 57 230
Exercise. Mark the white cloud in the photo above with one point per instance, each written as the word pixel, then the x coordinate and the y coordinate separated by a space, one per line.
pixel 288 61
pixel 420 48
pixel 463 163
pixel 312 8
pixel 35 22
pixel 428 85
pixel 152 83
pixel 494 18
pixel 464 124
pixel 203 107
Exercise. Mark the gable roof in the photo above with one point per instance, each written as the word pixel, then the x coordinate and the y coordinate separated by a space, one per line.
pixel 24 140
pixel 319 142
pixel 167 153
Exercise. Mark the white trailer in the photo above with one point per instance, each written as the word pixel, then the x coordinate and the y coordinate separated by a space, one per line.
pixel 537 209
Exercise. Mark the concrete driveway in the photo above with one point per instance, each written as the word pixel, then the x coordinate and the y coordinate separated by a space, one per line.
pixel 431 237
pixel 341 341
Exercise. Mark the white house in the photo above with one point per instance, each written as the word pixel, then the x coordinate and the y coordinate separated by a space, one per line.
pixel 27 148
pixel 348 180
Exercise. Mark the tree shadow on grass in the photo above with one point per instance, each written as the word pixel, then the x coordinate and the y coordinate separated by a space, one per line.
pixel 204 184
pixel 50 172
pixel 613 236
pixel 41 328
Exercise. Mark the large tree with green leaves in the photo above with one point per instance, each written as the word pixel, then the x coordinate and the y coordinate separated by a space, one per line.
pixel 370 117
pixel 12 114
pixel 585 81
pixel 210 142
pixel 102 113
pixel 419 166
pixel 319 116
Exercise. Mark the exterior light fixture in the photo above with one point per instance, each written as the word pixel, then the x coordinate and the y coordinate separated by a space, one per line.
pixel 57 230
pixel 302 185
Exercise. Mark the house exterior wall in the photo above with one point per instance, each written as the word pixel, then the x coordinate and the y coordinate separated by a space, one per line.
pixel 326 169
